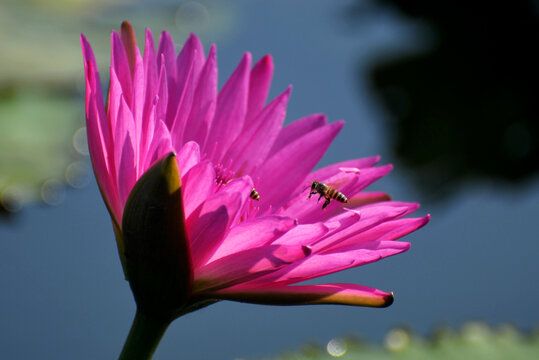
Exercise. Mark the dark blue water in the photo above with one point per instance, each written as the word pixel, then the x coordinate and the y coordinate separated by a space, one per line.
pixel 62 290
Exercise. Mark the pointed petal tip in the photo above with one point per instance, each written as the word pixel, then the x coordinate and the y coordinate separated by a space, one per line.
pixel 383 170
pixel 339 124
pixel 148 32
pixel 170 170
pixel 388 300
pixel 193 37
pixel 165 37
pixel 388 166
pixel 413 206
pixel 87 52
pixel 126 25
pixel 129 40
pixel 321 117
pixel 265 62
pixel 193 44
pixel 246 59
pixel 212 54
pixel 169 159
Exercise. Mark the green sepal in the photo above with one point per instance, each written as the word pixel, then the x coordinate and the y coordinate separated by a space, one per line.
pixel 158 261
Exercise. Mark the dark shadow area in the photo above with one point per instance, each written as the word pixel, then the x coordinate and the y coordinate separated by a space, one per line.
pixel 467 107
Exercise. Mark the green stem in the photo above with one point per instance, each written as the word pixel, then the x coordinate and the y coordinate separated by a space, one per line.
pixel 143 338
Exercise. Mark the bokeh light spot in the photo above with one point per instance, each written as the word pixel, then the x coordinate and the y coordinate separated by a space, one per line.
pixel 397 340
pixel 12 198
pixel 52 192
pixel 80 141
pixel 336 347
pixel 78 174
pixel 475 332
pixel 191 14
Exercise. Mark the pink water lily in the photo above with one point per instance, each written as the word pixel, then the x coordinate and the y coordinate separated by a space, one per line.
pixel 164 110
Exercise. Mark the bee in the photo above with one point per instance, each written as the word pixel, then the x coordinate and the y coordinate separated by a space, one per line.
pixel 327 192
pixel 254 195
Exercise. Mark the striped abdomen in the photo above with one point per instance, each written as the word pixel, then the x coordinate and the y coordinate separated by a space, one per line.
pixel 336 195
pixel 254 195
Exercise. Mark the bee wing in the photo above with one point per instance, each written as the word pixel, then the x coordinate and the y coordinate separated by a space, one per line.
pixel 336 183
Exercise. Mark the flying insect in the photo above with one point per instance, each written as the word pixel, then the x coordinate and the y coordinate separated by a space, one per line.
pixel 327 192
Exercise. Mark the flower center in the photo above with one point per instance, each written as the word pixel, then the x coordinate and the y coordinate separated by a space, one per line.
pixel 223 175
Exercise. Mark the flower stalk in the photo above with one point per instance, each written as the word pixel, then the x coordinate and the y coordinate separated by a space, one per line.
pixel 144 337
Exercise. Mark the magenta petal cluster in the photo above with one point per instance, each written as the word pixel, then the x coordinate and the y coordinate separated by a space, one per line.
pixel 228 142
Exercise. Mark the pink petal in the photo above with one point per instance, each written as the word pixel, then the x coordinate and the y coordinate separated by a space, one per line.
pixel 124 138
pixel 161 101
pixel 318 265
pixel 293 162
pixel 191 55
pixel 342 221
pixel 345 294
pixel 253 233
pixel 365 198
pixel 130 44
pixel 97 147
pixel 150 87
pixel 92 80
pixel 259 86
pixel 367 176
pixel 138 98
pixel 127 169
pixel 204 102
pixel 166 49
pixel 198 185
pixel 182 109
pixel 114 100
pixel 166 56
pixel 245 265
pixel 303 235
pixel 390 230
pixel 209 223
pixel 230 112
pixel 370 217
pixel 297 129
pixel 331 170
pixel 189 64
pixel 160 146
pixel 255 142
pixel 105 178
pixel 93 89
pixel 120 64
pixel 243 186
pixel 188 156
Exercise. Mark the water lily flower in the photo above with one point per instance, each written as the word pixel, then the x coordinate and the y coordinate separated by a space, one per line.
pixel 176 161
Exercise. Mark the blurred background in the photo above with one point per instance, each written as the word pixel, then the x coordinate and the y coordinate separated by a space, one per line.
pixel 444 92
